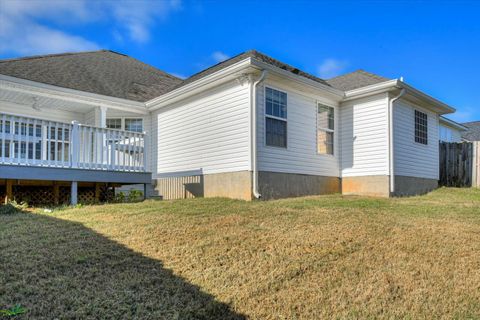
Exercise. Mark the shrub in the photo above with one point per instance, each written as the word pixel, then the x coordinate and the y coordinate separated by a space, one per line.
pixel 13 207
pixel 135 196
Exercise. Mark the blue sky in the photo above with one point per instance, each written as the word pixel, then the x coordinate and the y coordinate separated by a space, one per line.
pixel 434 45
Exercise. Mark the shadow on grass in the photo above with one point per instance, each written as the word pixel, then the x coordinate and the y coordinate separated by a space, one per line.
pixel 61 269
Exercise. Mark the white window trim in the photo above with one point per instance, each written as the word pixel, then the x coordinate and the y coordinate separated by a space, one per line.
pixel 333 155
pixel 273 117
pixel 123 123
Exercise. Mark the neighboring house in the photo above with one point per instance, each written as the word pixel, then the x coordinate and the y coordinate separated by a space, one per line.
pixel 248 127
pixel 450 131
pixel 473 131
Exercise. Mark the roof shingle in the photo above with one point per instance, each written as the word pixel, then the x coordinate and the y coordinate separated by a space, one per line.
pixel 473 132
pixel 103 72
pixel 355 80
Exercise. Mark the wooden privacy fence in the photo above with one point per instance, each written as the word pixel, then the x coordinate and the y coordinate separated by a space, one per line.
pixel 457 164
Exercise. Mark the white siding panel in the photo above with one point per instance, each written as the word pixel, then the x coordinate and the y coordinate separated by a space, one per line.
pixel 207 133
pixel 301 155
pixel 411 158
pixel 364 136
pixel 449 134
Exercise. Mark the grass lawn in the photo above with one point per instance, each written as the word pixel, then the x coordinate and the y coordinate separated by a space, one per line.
pixel 305 258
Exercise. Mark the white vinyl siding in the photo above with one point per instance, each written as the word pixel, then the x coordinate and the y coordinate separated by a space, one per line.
pixel 364 136
pixel 449 134
pixel 411 158
pixel 301 154
pixel 208 133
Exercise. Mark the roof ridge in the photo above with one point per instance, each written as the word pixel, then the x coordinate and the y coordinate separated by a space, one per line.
pixel 39 56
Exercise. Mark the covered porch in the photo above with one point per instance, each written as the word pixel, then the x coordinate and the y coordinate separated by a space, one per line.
pixel 52 136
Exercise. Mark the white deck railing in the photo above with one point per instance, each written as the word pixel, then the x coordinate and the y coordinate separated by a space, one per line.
pixel 36 142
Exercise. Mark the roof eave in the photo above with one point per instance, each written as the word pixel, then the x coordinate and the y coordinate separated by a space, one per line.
pixel 335 93
pixel 199 85
pixel 396 84
pixel 453 124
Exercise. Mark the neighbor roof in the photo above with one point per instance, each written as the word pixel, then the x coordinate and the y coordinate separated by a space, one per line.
pixel 473 132
pixel 103 72
pixel 355 80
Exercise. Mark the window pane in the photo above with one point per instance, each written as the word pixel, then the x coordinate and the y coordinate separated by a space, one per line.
pixel 114 123
pixel 276 132
pixel 135 125
pixel 325 142
pixel 421 127
pixel 275 103
pixel 325 117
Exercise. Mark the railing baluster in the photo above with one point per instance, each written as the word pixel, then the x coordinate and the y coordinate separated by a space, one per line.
pixel 12 139
pixel 102 147
pixel 34 142
pixel 55 156
pixel 27 138
pixel 49 144
pixel 63 145
pixel 4 128
pixel 19 143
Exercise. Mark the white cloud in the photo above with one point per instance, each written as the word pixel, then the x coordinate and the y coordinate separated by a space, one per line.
pixel 219 56
pixel 137 17
pixel 38 26
pixel 331 68
pixel 21 34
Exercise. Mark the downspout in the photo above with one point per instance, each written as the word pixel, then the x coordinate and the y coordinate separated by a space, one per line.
pixel 253 124
pixel 390 139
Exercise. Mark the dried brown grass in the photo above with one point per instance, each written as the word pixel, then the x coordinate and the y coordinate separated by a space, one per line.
pixel 305 258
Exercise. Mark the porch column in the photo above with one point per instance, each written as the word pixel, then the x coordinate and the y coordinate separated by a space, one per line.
pixel 74 193
pixel 101 117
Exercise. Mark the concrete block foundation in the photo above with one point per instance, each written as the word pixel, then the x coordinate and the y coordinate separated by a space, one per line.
pixel 275 185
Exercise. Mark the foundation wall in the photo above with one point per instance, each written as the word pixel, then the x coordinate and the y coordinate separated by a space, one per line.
pixel 236 185
pixel 377 186
pixel 410 186
pixel 274 185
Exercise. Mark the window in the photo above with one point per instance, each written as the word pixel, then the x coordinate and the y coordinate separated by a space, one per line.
pixel 114 123
pixel 135 125
pixel 275 118
pixel 421 127
pixel 128 124
pixel 325 129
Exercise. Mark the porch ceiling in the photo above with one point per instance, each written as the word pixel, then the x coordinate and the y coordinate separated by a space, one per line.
pixel 43 103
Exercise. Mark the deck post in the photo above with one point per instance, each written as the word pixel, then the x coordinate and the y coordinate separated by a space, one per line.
pixel 56 193
pixel 9 195
pixel 74 193
pixel 97 192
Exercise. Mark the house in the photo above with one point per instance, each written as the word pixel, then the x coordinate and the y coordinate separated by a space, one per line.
pixel 473 131
pixel 249 127
pixel 450 131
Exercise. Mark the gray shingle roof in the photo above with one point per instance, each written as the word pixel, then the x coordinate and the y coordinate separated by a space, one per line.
pixel 355 80
pixel 257 56
pixel 103 72
pixel 473 132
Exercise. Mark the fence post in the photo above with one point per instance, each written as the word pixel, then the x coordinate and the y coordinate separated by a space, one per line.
pixel 74 144
pixel 476 164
